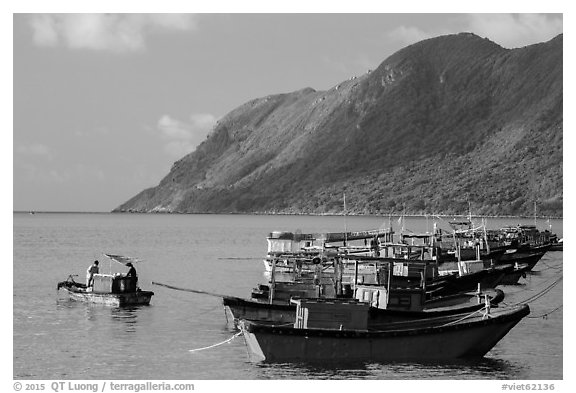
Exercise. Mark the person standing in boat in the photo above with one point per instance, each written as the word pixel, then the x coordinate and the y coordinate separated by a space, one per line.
pixel 132 274
pixel 92 270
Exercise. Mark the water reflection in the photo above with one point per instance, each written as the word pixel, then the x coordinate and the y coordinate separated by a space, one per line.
pixel 128 316
pixel 499 368
pixel 485 368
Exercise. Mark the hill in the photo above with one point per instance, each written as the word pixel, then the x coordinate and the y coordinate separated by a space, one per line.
pixel 444 122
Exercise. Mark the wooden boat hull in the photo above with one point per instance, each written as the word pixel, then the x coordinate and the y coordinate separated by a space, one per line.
pixel 429 339
pixel 529 258
pixel 512 277
pixel 110 299
pixel 487 278
pixel 556 247
pixel 468 254
pixel 285 313
pixel 279 312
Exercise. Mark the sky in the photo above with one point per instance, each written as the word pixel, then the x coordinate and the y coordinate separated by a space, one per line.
pixel 104 104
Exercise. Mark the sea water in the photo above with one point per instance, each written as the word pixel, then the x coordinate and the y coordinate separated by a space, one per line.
pixel 55 338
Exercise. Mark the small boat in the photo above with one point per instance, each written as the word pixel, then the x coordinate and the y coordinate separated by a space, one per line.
pixel 338 331
pixel 112 290
pixel 78 291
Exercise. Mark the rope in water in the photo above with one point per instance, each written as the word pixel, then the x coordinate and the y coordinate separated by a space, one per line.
pixel 545 315
pixel 524 288
pixel 543 292
pixel 187 290
pixel 216 345
pixel 538 296
pixel 550 267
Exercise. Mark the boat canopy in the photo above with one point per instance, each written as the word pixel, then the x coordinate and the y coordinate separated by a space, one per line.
pixel 330 236
pixel 417 235
pixel 122 259
pixel 342 236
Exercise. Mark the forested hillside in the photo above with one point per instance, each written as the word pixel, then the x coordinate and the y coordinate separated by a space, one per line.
pixel 444 122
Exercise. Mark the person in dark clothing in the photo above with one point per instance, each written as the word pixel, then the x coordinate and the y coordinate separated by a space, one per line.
pixel 132 274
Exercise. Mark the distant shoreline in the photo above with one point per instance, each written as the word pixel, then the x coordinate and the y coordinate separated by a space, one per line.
pixel 291 214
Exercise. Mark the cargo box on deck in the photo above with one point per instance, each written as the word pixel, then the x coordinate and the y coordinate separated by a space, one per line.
pixel 107 283
pixel 103 283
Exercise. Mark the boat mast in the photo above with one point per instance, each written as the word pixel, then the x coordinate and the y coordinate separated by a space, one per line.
pixel 486 235
pixel 403 214
pixel 345 223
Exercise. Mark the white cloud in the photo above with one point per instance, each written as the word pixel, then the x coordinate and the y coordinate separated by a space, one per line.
pixel 112 32
pixel 507 30
pixel 182 137
pixel 516 30
pixel 408 35
pixel 44 30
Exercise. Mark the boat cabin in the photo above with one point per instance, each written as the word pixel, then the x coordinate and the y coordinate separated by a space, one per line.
pixel 293 242
pixel 340 314
pixel 289 242
pixel 384 298
pixel 526 234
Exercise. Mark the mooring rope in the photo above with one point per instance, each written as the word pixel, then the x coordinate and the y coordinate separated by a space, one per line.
pixel 545 315
pixel 550 267
pixel 538 296
pixel 215 345
pixel 524 288
pixel 465 317
pixel 187 290
pixel 543 292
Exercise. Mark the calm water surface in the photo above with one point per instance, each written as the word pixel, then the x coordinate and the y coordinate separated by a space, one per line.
pixel 55 338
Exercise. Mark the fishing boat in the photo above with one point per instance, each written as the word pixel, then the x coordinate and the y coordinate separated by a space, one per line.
pixel 290 251
pixel 116 290
pixel 512 277
pixel 387 284
pixel 557 245
pixel 519 235
pixel 337 274
pixel 398 307
pixel 338 331
pixel 466 242
pixel 527 254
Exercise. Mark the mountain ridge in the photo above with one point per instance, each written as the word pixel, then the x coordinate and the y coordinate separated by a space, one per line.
pixel 443 122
